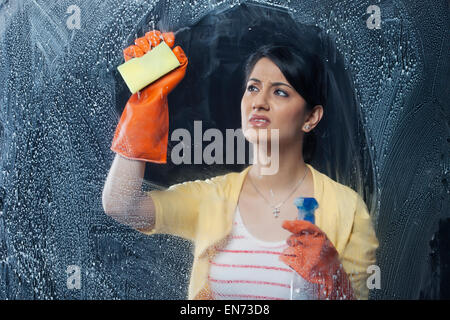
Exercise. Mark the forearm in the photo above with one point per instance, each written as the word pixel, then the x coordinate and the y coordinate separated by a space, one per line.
pixel 123 186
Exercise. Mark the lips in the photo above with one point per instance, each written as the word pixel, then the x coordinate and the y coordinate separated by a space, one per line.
pixel 259 120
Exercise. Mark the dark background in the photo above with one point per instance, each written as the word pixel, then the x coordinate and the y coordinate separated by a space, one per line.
pixel 61 97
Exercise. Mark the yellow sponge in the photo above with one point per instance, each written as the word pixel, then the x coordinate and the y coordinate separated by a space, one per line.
pixel 140 72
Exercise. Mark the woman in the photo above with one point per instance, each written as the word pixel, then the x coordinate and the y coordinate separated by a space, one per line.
pixel 240 222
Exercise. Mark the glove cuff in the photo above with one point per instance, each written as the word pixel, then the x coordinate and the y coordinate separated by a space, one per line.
pixel 143 131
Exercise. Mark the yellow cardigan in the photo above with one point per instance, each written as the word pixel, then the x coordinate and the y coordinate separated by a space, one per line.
pixel 202 211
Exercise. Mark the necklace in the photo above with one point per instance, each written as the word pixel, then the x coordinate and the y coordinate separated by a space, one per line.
pixel 276 209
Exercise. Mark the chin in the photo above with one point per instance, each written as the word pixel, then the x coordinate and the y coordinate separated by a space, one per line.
pixel 257 135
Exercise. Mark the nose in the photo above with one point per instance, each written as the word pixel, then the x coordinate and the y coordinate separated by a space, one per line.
pixel 260 101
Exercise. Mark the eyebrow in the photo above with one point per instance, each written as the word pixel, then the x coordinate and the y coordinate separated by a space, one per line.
pixel 273 84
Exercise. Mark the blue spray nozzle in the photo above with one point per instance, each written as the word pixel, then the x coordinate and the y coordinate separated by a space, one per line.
pixel 307 204
pixel 306 207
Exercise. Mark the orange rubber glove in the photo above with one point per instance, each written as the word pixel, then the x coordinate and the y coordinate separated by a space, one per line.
pixel 143 129
pixel 312 255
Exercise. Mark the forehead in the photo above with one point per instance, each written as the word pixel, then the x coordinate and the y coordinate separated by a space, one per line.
pixel 267 71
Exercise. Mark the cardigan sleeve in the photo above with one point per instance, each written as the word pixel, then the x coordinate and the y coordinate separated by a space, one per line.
pixel 176 208
pixel 360 250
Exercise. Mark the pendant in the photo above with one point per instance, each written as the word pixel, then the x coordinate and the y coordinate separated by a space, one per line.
pixel 276 211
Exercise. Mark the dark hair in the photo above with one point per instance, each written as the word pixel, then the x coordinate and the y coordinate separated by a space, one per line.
pixel 304 71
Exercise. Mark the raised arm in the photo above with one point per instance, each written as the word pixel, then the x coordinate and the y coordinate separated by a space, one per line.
pixel 142 136
pixel 123 198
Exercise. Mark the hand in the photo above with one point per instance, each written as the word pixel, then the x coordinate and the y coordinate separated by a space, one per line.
pixel 143 129
pixel 143 45
pixel 312 255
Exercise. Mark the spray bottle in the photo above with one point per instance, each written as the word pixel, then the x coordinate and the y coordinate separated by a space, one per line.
pixel 300 288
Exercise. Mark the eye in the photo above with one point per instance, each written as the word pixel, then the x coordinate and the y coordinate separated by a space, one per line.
pixel 250 87
pixel 283 93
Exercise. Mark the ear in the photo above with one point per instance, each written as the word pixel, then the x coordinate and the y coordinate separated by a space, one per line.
pixel 313 118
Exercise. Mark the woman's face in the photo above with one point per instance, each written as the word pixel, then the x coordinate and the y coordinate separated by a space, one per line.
pixel 270 95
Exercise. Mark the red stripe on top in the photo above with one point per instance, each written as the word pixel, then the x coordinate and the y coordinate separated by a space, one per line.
pixel 237 237
pixel 248 266
pixel 262 246
pixel 247 296
pixel 271 247
pixel 250 251
pixel 250 281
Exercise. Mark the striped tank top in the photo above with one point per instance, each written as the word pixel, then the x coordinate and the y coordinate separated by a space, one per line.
pixel 247 268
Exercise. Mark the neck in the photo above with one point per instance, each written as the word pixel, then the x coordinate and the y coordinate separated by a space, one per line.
pixel 290 169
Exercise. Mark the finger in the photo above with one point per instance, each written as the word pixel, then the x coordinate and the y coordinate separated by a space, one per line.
pixel 132 51
pixel 153 37
pixel 290 261
pixel 169 38
pixel 289 252
pixel 179 53
pixel 294 240
pixel 142 43
pixel 299 226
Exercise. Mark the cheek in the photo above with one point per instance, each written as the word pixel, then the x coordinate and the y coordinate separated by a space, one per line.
pixel 290 118
pixel 250 135
pixel 244 109
pixel 288 113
